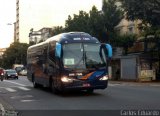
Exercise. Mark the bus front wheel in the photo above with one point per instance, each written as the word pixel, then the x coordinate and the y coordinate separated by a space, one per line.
pixel 53 88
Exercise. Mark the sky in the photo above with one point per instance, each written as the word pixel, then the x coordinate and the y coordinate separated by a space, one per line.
pixel 7 18
pixel 38 14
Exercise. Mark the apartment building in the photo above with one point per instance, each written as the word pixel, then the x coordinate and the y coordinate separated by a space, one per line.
pixel 35 36
pixel 23 21
pixel 128 27
pixel 46 33
pixel 16 24
pixel 40 35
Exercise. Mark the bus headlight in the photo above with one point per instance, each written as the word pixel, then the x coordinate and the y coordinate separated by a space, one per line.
pixel 66 79
pixel 104 78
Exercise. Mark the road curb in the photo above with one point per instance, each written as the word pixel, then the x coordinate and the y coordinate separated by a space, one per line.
pixel 2 110
pixel 136 83
pixel 6 109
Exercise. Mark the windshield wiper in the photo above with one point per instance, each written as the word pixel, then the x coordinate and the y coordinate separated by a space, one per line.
pixel 82 58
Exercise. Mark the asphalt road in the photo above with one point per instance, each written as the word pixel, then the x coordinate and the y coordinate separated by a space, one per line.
pixel 118 99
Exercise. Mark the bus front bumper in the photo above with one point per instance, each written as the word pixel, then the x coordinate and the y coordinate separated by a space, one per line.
pixel 84 85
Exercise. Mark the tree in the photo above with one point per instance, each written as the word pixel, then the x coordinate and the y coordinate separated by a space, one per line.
pixel 112 15
pixel 57 30
pixel 78 22
pixel 146 10
pixel 98 23
pixel 32 43
pixel 95 23
pixel 16 53
pixel 126 41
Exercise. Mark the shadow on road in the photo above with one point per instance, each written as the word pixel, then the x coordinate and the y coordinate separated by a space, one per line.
pixel 73 93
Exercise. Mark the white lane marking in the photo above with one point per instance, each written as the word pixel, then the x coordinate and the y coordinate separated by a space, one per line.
pixel 110 84
pixel 10 89
pixel 15 83
pixel 28 100
pixel 18 97
pixel 155 85
pixel 24 88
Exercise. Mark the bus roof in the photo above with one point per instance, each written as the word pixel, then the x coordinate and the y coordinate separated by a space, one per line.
pixel 70 37
pixel 74 37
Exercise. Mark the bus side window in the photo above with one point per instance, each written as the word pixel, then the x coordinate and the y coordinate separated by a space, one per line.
pixel 51 51
pixel 44 54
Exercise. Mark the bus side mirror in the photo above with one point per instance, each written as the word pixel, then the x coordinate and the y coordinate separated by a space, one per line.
pixel 58 50
pixel 109 49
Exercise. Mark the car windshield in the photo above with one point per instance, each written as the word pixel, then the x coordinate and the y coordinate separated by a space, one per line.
pixel 82 56
pixel 10 71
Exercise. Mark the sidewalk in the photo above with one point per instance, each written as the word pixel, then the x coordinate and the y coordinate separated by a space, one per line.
pixel 154 83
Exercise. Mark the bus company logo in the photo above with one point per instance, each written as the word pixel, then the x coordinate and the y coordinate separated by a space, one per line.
pixel 77 38
pixel 75 74
pixel 85 38
pixel 71 74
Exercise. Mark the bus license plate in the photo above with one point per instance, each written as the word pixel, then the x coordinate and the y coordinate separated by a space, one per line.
pixel 86 85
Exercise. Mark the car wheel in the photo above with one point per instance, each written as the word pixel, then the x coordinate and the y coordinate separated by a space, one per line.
pixel 1 78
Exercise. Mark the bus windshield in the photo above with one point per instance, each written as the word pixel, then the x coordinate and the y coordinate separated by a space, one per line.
pixel 83 56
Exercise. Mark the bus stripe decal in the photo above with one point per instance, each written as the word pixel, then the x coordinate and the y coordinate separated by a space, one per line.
pixel 93 75
pixel 87 76
pixel 97 74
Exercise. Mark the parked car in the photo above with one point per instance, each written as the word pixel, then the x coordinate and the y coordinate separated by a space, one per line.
pixel 23 72
pixel 11 74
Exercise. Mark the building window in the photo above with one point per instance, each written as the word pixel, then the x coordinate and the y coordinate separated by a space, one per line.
pixel 130 30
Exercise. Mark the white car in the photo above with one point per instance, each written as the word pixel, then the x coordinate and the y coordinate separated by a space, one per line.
pixel 23 72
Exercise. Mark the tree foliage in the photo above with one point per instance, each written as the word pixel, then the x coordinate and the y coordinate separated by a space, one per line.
pixel 112 15
pixel 57 29
pixel 15 54
pixel 98 23
pixel 78 22
pixel 126 41
pixel 95 23
pixel 146 10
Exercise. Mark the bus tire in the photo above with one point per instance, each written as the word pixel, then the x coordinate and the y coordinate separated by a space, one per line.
pixel 35 85
pixel 53 88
